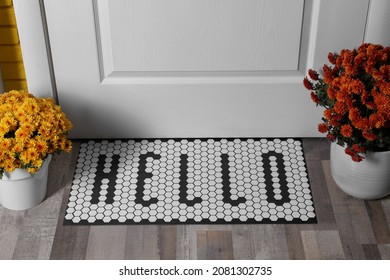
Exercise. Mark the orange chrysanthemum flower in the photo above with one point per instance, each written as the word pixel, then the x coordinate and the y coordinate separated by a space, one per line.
pixel 323 127
pixel 384 87
pixel 354 114
pixel 328 114
pixel 362 124
pixel 369 136
pixel 346 130
pixel 334 123
pixel 332 58
pixel 358 148
pixel 328 75
pixel 355 91
pixel 313 75
pixel 377 120
pixel 340 108
pixel 315 98
pixel 331 137
pixel 357 158
pixel 307 84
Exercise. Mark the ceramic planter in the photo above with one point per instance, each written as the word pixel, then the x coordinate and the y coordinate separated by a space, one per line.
pixel 20 191
pixel 368 179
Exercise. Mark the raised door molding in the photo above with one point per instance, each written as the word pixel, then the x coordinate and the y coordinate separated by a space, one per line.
pixel 176 38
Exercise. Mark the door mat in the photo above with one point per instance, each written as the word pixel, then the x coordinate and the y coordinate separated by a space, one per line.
pixel 190 181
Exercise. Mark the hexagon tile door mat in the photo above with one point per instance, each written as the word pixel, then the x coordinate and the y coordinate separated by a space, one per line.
pixel 213 181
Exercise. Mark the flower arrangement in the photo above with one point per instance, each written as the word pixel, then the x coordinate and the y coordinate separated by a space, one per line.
pixel 355 92
pixel 31 128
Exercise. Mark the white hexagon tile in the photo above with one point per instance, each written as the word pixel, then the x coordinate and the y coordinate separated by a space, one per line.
pixel 190 181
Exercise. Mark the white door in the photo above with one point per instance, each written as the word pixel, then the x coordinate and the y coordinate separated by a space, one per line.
pixel 191 68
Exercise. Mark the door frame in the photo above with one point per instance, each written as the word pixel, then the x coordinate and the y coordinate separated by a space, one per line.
pixel 35 45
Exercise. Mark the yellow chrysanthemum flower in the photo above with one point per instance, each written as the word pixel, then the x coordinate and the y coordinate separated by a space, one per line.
pixel 9 162
pixel 20 114
pixel 8 121
pixel 37 163
pixel 2 154
pixel 30 144
pixel 3 129
pixel 41 146
pixel 26 119
pixel 30 106
pixel 18 147
pixel 65 144
pixel 9 166
pixel 24 157
pixel 45 129
pixel 52 147
pixel 30 129
pixel 29 155
pixel 22 134
pixel 32 170
pixel 5 144
pixel 6 107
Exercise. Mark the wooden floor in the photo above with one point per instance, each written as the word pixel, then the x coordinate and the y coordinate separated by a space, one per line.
pixel 347 228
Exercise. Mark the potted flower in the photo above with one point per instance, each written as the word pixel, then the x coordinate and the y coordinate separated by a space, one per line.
pixel 355 93
pixel 31 130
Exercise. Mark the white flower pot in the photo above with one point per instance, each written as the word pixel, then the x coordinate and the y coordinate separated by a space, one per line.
pixel 20 191
pixel 368 179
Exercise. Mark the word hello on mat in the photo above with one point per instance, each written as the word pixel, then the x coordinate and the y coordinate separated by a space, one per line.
pixel 143 176
pixel 190 180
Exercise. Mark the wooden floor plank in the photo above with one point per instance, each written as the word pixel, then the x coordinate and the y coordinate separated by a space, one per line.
pixel 10 226
pixel 192 236
pixel 106 242
pixel 352 219
pixel 167 241
pixel 243 242
pixel 371 252
pixel 294 242
pixel 378 221
pixel 322 201
pixel 385 203
pixel 350 213
pixel 70 242
pixel 316 149
pixel 35 239
pixel 270 242
pixel 142 242
pixel 183 247
pixel 214 245
pixel 384 250
pixel 322 245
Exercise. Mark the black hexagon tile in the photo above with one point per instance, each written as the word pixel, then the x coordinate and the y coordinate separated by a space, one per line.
pixel 190 181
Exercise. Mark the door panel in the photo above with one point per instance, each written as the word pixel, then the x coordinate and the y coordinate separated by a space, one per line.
pixel 193 35
pixel 193 68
